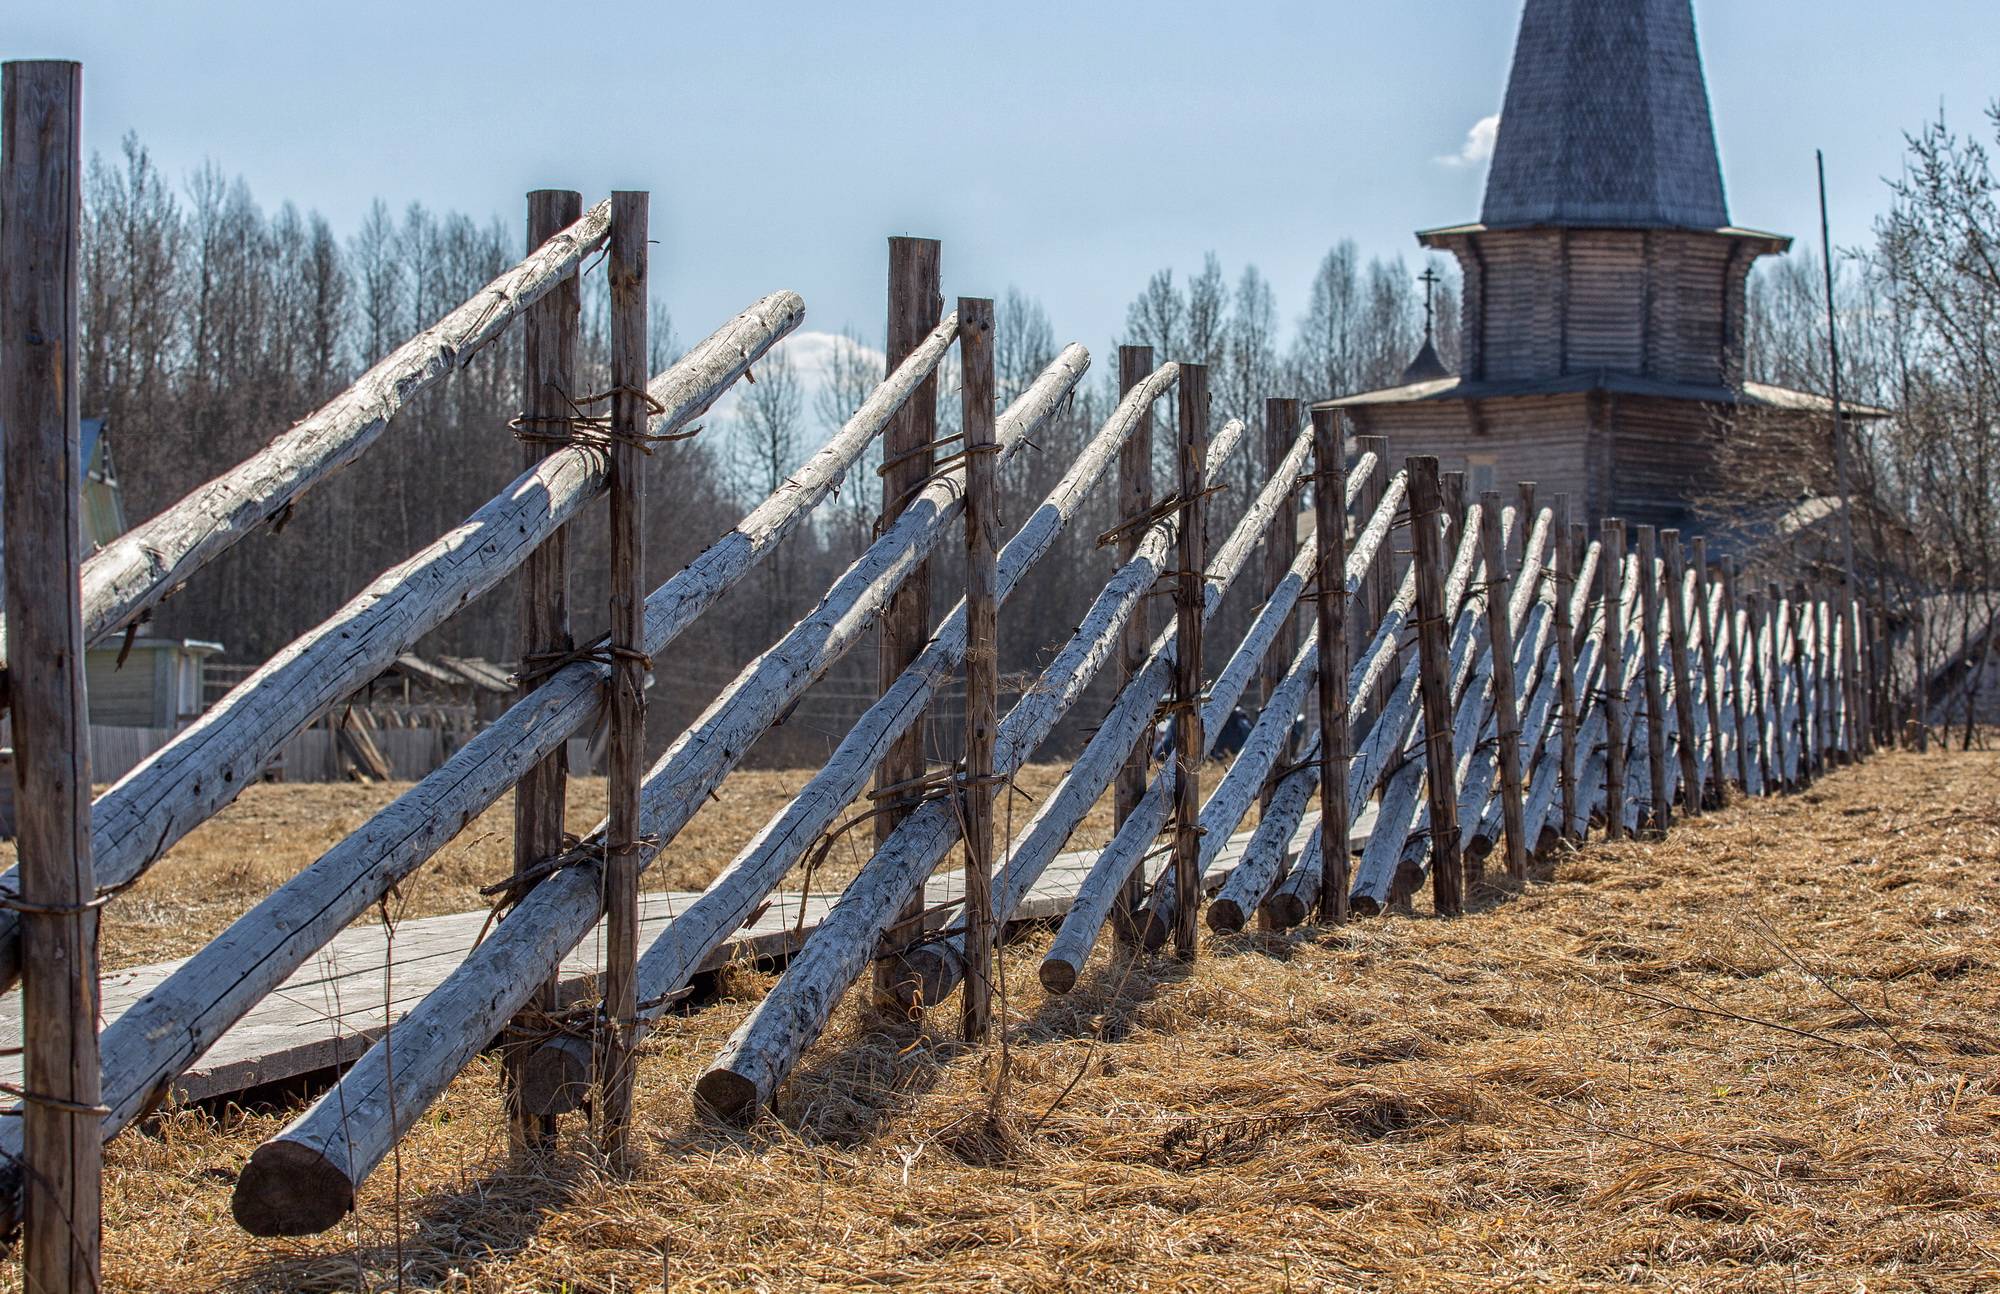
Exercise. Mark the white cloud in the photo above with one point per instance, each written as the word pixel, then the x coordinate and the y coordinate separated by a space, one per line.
pixel 1478 145
pixel 811 354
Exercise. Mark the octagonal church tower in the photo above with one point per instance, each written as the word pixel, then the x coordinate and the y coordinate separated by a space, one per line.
pixel 1604 285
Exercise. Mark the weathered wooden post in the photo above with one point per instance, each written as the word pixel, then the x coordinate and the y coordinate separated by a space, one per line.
pixel 1525 492
pixel 1566 555
pixel 1763 691
pixel 1710 656
pixel 548 383
pixel 916 303
pixel 1451 495
pixel 626 760
pixel 41 180
pixel 1281 545
pixel 1189 596
pixel 1506 708
pixel 1649 654
pixel 1330 533
pixel 1799 615
pixel 1135 497
pixel 1378 586
pixel 982 655
pixel 1678 654
pixel 1434 681
pixel 1732 659
pixel 1611 566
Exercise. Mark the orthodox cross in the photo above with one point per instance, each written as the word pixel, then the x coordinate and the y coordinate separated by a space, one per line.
pixel 1429 278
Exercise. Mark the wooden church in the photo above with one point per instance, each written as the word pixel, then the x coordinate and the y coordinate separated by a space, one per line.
pixel 1604 286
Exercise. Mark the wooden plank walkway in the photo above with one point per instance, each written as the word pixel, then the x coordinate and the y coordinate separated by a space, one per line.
pixel 334 1006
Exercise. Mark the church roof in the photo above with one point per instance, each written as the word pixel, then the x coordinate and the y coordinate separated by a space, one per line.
pixel 1606 121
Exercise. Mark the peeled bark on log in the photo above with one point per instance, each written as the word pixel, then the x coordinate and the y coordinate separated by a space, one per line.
pixel 145 564
pixel 349 1130
pixel 1405 802
pixel 1265 854
pixel 791 1017
pixel 735 893
pixel 1106 879
pixel 163 1033
pixel 210 762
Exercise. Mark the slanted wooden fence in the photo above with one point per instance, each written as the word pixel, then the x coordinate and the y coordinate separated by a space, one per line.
pixel 1484 677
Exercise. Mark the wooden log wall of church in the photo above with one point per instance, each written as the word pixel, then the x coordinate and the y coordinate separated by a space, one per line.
pixel 1661 452
pixel 1607 300
pixel 1524 323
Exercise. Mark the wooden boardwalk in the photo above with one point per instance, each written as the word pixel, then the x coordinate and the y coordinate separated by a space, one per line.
pixel 334 1006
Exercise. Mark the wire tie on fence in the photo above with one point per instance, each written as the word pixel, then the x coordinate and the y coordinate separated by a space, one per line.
pixel 52 1102
pixel 889 464
pixel 13 902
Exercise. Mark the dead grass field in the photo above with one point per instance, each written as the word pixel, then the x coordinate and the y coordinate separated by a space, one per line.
pixel 1759 1055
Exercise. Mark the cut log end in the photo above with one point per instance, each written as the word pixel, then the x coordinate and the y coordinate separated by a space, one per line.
pixel 1226 916
pixel 727 1095
pixel 1057 975
pixel 1155 928
pixel 290 1189
pixel 1363 905
pixel 556 1077
pixel 1283 910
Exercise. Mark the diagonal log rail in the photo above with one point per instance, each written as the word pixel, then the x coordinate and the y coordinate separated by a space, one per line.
pixel 939 962
pixel 1122 858
pixel 791 1017
pixel 148 1046
pixel 208 764
pixel 558 1066
pixel 142 566
pixel 303 1180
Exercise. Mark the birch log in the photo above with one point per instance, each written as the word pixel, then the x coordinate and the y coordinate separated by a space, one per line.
pixel 735 894
pixel 1506 702
pixel 1714 666
pixel 1682 662
pixel 689 938
pixel 1106 879
pixel 163 1033
pixel 210 762
pixel 791 1017
pixel 1251 883
pixel 1615 712
pixel 303 1180
pixel 145 564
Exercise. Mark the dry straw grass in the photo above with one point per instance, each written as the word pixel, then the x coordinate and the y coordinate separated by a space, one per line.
pixel 1759 1055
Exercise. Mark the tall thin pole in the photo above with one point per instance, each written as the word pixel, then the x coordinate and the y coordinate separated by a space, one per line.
pixel 626 762
pixel 41 179
pixel 982 656
pixel 1330 533
pixel 1833 359
pixel 1191 743
pixel 1135 496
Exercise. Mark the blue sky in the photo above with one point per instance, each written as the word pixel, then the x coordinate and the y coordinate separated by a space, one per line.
pixel 1067 149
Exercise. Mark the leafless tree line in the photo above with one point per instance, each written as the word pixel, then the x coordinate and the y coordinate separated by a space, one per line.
pixel 1917 314
pixel 212 323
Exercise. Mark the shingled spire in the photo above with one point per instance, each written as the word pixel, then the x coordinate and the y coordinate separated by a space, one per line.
pixel 1606 121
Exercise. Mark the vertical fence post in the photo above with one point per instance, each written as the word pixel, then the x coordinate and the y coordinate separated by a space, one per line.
pixel 1784 742
pixel 1566 660
pixel 1434 681
pixel 1506 708
pixel 1191 743
pixel 1649 654
pixel 916 303
pixel 1710 657
pixel 982 655
pixel 1770 762
pixel 1862 726
pixel 1135 496
pixel 1451 497
pixel 1281 546
pixel 1733 664
pixel 1799 683
pixel 1525 493
pixel 41 151
pixel 549 331
pixel 626 762
pixel 1330 533
pixel 1679 653
pixel 1378 585
pixel 1611 567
